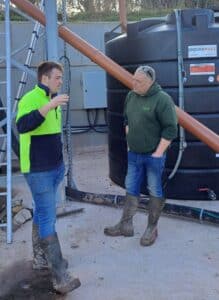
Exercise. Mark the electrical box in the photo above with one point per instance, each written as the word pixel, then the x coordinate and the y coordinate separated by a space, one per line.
pixel 94 89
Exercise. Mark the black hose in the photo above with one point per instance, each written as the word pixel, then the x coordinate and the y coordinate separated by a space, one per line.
pixel 93 125
pixel 187 212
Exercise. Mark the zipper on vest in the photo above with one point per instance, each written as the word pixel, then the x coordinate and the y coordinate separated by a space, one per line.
pixel 56 113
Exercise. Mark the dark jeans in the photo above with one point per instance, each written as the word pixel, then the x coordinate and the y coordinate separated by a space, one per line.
pixel 140 165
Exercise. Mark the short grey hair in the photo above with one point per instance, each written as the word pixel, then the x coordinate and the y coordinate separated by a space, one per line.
pixel 148 71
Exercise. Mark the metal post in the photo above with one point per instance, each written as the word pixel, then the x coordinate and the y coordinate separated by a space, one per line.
pixel 52 48
pixel 51 30
pixel 8 94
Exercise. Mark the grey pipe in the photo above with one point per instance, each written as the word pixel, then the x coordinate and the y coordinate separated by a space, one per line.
pixel 181 79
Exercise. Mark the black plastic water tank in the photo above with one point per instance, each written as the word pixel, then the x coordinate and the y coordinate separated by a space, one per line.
pixel 154 42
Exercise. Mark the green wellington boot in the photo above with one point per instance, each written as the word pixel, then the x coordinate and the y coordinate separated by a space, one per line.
pixel 125 225
pixel 156 205
pixel 39 258
pixel 63 281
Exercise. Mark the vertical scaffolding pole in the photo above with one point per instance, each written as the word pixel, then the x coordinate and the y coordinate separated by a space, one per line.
pixel 52 54
pixel 8 95
pixel 51 30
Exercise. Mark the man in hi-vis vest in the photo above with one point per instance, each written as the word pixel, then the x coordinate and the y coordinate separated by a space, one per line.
pixel 41 160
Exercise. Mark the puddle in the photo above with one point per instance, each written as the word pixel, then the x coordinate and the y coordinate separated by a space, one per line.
pixel 19 281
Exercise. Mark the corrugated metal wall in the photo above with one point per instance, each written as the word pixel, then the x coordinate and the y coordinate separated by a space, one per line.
pixel 91 32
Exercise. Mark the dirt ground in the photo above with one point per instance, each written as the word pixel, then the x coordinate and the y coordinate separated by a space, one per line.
pixel 183 264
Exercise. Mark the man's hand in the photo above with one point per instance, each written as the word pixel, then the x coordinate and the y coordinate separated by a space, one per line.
pixel 161 148
pixel 59 100
pixel 53 103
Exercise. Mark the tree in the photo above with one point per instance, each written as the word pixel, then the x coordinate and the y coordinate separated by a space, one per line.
pixel 85 6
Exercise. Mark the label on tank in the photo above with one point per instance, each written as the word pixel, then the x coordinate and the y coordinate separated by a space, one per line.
pixel 202 51
pixel 202 69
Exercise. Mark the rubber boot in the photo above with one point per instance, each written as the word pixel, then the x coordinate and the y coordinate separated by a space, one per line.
pixel 125 225
pixel 156 205
pixel 64 261
pixel 39 258
pixel 63 281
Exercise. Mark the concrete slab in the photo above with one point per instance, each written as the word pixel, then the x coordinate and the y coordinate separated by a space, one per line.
pixel 183 264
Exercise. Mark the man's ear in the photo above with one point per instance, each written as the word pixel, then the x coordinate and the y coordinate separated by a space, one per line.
pixel 44 79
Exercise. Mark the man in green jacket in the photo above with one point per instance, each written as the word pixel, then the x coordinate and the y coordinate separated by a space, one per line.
pixel 150 125
pixel 41 160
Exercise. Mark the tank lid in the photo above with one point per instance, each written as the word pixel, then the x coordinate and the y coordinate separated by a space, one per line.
pixel 193 17
pixel 133 29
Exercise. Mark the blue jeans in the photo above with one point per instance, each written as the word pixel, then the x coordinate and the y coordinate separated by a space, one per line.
pixel 141 165
pixel 43 186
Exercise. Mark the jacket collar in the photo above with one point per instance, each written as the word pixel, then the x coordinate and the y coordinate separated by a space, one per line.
pixel 46 90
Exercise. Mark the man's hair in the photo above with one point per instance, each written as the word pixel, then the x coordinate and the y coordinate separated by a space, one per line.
pixel 46 67
pixel 148 71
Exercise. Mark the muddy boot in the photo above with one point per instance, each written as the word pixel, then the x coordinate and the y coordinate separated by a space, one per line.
pixel 125 225
pixel 39 259
pixel 64 261
pixel 156 205
pixel 63 281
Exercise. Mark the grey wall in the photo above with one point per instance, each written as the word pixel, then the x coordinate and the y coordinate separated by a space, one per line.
pixel 93 33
